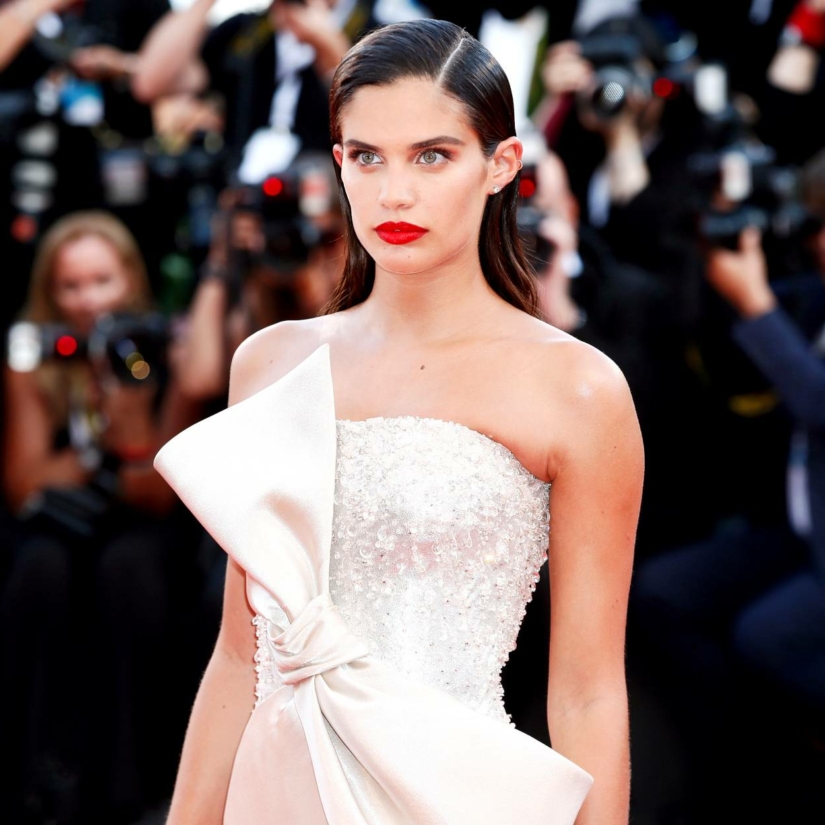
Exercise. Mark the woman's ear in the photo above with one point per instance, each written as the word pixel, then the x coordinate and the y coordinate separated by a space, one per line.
pixel 505 163
pixel 338 153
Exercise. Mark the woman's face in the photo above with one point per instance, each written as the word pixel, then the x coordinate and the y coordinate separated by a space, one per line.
pixel 89 279
pixel 415 176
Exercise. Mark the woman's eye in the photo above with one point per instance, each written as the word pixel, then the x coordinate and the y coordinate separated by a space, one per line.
pixel 367 158
pixel 430 157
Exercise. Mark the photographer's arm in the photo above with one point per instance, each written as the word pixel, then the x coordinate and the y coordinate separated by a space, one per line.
pixel 168 58
pixel 17 24
pixel 29 462
pixel 766 333
pixel 626 164
pixel 204 369
pixel 139 484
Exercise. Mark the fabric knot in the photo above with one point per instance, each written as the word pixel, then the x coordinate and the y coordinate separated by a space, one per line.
pixel 318 640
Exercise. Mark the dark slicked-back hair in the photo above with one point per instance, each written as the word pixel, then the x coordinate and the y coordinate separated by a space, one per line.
pixel 463 68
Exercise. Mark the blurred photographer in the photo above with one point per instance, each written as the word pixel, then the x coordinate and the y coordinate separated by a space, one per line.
pixel 272 70
pixel 623 126
pixel 274 256
pixel 736 623
pixel 90 394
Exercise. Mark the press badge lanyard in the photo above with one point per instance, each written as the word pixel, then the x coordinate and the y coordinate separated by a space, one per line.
pixel 799 500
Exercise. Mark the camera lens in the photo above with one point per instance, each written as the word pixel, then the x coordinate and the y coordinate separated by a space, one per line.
pixel 610 94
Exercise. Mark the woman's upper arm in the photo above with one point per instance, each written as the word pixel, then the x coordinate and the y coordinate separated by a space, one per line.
pixel 236 637
pixel 595 500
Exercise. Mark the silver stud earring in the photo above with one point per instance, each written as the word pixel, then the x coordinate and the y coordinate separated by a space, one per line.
pixel 496 190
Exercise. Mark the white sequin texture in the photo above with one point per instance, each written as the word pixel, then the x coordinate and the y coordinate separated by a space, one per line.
pixel 439 534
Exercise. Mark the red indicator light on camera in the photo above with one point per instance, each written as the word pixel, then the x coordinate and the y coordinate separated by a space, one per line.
pixel 662 87
pixel 24 228
pixel 273 187
pixel 527 188
pixel 66 345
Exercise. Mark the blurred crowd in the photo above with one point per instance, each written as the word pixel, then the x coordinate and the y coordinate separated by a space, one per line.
pixel 168 190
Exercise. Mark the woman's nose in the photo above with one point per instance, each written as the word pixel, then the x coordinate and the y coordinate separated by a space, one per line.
pixel 397 191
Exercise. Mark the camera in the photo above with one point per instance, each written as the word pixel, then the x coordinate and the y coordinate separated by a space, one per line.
pixel 293 206
pixel 741 185
pixel 617 73
pixel 134 344
pixel 528 221
pixel 58 36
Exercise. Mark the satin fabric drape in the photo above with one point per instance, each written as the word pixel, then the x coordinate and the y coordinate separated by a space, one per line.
pixel 344 740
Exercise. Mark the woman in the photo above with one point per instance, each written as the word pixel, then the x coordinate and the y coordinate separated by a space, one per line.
pixel 95 522
pixel 381 481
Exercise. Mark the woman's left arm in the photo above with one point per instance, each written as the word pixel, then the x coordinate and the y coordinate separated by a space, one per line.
pixel 594 505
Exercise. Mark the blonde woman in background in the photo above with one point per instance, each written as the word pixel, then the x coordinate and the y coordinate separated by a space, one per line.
pixel 85 606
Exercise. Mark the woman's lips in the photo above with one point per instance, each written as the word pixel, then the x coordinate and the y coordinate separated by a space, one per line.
pixel 399 233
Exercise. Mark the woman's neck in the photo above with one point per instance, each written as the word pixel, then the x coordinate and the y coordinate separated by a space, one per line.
pixel 428 307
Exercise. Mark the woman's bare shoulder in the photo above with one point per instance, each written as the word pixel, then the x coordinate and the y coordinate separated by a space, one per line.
pixel 570 388
pixel 271 352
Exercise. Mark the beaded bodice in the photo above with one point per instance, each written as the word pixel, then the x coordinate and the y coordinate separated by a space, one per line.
pixel 438 536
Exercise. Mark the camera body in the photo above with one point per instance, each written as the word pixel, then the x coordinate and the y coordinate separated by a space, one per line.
pixel 741 185
pixel 618 75
pixel 539 249
pixel 294 207
pixel 134 344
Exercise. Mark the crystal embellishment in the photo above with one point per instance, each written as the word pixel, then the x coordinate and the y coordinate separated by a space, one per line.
pixel 439 534
pixel 438 537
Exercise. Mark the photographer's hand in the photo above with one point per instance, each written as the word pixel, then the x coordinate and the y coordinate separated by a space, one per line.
pixel 130 430
pixel 564 72
pixel 103 63
pixel 313 22
pixel 741 277
pixel 795 65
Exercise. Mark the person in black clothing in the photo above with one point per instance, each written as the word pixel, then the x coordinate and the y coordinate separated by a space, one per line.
pixel 771 52
pixel 271 70
pixel 638 204
pixel 732 628
pixel 88 689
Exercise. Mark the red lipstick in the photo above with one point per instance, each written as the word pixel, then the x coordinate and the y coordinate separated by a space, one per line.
pixel 399 233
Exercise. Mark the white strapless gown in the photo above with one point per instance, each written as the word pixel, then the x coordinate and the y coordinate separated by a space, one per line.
pixel 389 563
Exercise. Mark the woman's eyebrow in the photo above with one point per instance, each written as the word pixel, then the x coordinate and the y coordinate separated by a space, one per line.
pixel 361 145
pixel 421 144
